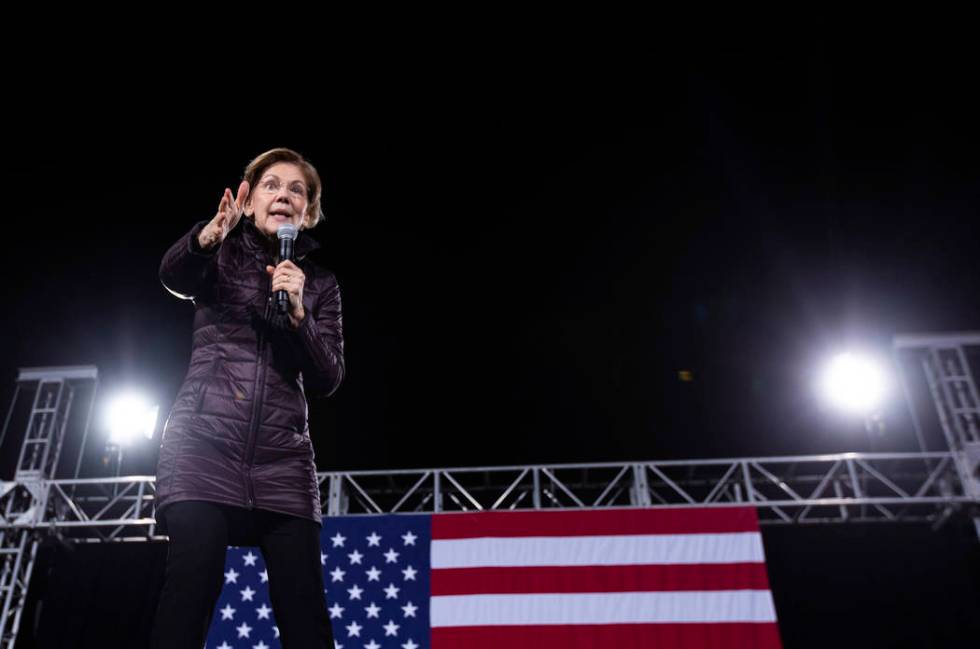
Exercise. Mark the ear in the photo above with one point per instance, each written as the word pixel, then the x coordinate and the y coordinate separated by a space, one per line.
pixel 247 208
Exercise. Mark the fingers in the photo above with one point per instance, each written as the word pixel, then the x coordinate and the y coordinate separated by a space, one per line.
pixel 286 283
pixel 229 211
pixel 230 207
pixel 287 277
pixel 283 285
pixel 242 195
pixel 286 269
pixel 219 218
pixel 224 204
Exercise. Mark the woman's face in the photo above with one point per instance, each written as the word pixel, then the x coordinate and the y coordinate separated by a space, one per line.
pixel 278 197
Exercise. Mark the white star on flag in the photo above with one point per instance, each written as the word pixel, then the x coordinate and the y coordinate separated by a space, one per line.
pixel 227 613
pixel 410 609
pixel 264 576
pixel 372 645
pixel 372 610
pixel 231 577
pixel 261 645
pixel 337 574
pixel 391 592
pixel 391 628
pixel 391 556
pixel 409 539
pixel 223 645
pixel 355 557
pixel 373 574
pixel 263 612
pixel 354 629
pixel 409 645
pixel 338 540
pixel 373 540
pixel 250 559
pixel 323 559
pixel 409 573
pixel 336 610
pixel 247 594
pixel 355 592
pixel 243 630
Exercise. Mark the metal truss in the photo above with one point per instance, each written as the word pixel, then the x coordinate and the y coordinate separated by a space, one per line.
pixel 945 364
pixel 93 510
pixel 806 489
pixel 23 500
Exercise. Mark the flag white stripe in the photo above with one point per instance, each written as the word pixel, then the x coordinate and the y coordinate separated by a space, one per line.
pixel 603 608
pixel 736 547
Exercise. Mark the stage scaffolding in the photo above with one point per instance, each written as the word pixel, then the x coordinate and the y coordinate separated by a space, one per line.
pixel 925 487
pixel 805 489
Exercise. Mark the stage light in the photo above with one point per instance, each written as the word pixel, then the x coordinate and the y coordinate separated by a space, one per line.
pixel 853 383
pixel 128 417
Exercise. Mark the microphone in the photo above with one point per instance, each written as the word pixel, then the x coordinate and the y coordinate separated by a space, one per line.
pixel 287 235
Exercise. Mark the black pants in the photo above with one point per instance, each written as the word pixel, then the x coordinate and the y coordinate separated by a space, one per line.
pixel 200 533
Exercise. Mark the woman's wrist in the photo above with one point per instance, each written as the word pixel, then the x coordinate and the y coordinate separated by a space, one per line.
pixel 207 238
pixel 295 319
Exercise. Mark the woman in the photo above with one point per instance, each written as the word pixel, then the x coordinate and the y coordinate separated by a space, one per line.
pixel 236 462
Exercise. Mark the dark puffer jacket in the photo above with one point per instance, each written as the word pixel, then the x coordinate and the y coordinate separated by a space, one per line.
pixel 237 433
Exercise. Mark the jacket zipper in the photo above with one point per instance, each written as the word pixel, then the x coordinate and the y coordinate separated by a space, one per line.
pixel 257 398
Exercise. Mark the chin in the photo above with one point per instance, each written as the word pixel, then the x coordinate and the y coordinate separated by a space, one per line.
pixel 272 225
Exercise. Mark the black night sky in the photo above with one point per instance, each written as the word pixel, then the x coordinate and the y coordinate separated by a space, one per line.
pixel 530 250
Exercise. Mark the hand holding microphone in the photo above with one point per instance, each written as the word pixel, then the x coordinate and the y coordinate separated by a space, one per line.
pixel 287 278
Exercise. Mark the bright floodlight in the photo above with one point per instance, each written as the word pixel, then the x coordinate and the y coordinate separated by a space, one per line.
pixel 853 383
pixel 130 416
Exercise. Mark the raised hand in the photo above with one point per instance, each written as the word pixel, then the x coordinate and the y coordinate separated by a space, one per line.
pixel 229 212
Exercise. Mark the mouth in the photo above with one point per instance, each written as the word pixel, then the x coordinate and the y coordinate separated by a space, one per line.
pixel 280 215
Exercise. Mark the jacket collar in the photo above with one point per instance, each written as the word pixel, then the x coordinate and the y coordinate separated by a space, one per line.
pixel 258 242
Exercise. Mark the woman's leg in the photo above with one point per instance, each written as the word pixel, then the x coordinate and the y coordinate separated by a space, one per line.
pixel 194 574
pixel 291 547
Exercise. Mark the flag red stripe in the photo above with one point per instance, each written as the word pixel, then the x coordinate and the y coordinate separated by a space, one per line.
pixel 597 522
pixel 622 636
pixel 599 579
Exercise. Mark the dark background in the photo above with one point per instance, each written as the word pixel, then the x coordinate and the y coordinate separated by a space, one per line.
pixel 530 247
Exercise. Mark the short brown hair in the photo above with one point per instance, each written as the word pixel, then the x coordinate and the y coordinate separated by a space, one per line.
pixel 255 169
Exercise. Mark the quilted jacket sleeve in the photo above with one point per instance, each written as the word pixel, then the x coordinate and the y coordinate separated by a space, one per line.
pixel 185 267
pixel 320 342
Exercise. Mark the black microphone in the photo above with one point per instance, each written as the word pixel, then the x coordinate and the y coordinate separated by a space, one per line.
pixel 287 235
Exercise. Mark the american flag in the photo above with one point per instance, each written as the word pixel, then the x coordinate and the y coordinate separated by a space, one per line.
pixel 687 578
